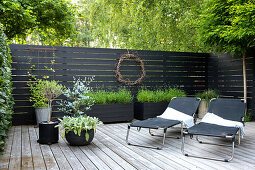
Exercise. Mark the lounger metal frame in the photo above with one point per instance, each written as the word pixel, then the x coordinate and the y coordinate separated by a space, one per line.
pixel 195 156
pixel 164 132
pixel 239 140
pixel 201 142
pixel 163 139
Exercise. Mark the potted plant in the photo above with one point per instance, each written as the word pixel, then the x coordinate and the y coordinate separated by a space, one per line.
pixel 80 130
pixel 78 99
pixel 48 133
pixel 78 127
pixel 153 103
pixel 39 101
pixel 112 106
pixel 206 96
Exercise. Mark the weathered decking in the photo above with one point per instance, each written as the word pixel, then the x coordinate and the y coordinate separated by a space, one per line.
pixel 109 151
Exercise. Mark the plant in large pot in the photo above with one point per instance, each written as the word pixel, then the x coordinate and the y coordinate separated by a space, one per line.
pixel 48 133
pixel 39 101
pixel 152 103
pixel 206 96
pixel 78 128
pixel 112 106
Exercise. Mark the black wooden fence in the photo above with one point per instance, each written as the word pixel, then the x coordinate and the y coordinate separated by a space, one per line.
pixel 225 73
pixel 193 72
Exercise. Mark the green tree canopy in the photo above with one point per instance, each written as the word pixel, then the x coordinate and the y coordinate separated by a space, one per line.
pixel 147 25
pixel 47 17
pixel 229 26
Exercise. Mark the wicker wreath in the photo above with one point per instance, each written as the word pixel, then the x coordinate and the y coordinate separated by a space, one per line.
pixel 127 81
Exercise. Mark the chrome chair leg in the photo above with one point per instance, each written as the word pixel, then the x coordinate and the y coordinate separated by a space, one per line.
pixel 209 158
pixel 147 146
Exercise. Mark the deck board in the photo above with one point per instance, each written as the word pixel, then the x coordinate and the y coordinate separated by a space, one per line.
pixel 109 150
pixel 15 159
pixel 27 161
pixel 171 150
pixel 38 160
pixel 60 157
pixel 5 157
pixel 71 157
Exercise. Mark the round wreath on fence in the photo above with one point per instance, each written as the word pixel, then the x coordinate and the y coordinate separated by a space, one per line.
pixel 127 81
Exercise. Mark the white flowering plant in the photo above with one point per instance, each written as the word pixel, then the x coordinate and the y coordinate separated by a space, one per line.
pixel 78 98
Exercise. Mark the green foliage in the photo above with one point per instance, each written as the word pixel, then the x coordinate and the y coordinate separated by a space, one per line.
pixel 37 97
pixel 53 20
pixel 159 95
pixel 6 99
pixel 229 25
pixel 147 25
pixel 43 92
pixel 78 98
pixel 78 124
pixel 111 97
pixel 248 117
pixel 51 90
pixel 208 94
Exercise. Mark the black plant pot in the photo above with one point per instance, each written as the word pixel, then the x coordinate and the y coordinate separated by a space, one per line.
pixel 48 133
pixel 76 140
pixel 109 113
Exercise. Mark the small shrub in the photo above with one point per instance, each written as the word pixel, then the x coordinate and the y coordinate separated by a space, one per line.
pixel 159 95
pixel 248 116
pixel 208 94
pixel 37 97
pixel 78 98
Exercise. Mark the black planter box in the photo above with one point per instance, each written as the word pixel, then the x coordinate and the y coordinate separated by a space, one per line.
pixel 109 113
pixel 148 110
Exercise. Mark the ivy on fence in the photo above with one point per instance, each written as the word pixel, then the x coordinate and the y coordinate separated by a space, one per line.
pixel 6 99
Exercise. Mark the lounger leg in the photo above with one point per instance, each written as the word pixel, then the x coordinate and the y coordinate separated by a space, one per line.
pixel 164 137
pixel 181 129
pixel 225 160
pixel 145 146
pixel 233 150
pixel 239 136
pixel 127 135
pixel 182 147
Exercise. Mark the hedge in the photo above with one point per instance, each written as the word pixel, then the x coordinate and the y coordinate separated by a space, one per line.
pixel 6 99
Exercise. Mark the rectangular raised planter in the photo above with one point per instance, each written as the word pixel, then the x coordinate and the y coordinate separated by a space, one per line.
pixel 110 113
pixel 148 110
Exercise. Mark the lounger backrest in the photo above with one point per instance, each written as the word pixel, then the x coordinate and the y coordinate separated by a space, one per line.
pixel 230 109
pixel 187 105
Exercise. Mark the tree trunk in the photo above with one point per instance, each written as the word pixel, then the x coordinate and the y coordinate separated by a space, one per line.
pixel 244 79
pixel 49 116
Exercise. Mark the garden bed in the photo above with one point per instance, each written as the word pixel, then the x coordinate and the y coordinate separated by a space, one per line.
pixel 109 113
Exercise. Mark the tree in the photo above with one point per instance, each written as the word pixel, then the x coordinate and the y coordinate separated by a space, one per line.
pixel 52 18
pixel 229 26
pixel 147 25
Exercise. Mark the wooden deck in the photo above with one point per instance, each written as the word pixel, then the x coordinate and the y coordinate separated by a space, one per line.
pixel 109 151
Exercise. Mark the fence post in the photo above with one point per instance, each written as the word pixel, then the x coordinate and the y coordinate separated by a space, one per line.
pixel 164 68
pixel 253 89
pixel 213 71
pixel 207 58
